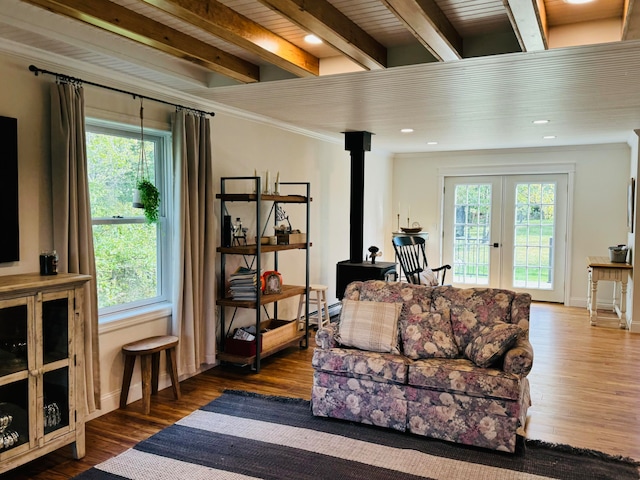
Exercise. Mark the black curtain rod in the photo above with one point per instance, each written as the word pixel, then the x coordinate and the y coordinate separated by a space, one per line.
pixel 69 79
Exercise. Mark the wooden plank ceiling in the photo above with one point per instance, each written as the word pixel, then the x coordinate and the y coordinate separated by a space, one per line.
pixel 239 39
pixel 467 74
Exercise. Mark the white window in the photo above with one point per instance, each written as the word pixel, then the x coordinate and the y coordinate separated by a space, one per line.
pixel 131 254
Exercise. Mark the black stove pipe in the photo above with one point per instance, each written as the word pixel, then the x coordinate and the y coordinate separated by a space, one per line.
pixel 357 143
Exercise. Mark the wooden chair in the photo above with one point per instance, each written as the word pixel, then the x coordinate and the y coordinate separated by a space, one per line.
pixel 411 254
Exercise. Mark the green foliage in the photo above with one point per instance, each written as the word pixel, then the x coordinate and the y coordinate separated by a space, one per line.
pixel 126 263
pixel 126 253
pixel 150 198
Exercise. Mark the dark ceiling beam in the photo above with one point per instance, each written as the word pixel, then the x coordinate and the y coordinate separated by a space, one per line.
pixel 119 20
pixel 631 20
pixel 227 24
pixel 529 22
pixel 334 28
pixel 430 26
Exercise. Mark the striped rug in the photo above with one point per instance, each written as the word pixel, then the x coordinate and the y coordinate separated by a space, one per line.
pixel 245 436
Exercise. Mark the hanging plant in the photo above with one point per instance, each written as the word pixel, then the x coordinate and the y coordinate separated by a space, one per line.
pixel 146 195
pixel 150 199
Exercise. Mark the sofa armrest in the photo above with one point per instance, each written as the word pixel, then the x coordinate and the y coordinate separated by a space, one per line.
pixel 519 359
pixel 325 337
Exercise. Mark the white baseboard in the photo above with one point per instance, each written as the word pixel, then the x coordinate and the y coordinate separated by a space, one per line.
pixel 111 401
pixel 334 309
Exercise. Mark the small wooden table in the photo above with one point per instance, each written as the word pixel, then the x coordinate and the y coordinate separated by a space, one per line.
pixel 148 349
pixel 601 268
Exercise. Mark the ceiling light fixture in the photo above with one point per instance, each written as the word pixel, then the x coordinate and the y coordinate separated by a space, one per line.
pixel 549 137
pixel 407 130
pixel 577 2
pixel 312 39
pixel 540 122
pixel 432 143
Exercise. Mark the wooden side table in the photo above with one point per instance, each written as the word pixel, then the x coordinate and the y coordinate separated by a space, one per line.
pixel 601 268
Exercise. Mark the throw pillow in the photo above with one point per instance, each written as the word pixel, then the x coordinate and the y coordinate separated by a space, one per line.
pixel 428 335
pixel 371 326
pixel 491 343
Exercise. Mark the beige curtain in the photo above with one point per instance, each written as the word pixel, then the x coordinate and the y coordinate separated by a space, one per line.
pixel 72 231
pixel 193 319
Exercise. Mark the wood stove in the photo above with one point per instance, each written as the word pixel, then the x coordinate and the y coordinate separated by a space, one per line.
pixel 355 268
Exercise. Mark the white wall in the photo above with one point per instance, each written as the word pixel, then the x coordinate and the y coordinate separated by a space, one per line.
pixel 599 202
pixel 633 238
pixel 239 147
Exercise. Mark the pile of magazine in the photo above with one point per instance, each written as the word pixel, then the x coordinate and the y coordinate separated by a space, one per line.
pixel 243 284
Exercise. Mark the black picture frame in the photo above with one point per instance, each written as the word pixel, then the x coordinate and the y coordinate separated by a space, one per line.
pixel 272 283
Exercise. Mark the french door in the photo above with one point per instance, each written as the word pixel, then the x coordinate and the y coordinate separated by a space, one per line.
pixel 507 232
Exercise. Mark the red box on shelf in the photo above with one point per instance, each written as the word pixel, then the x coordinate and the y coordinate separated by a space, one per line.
pixel 243 348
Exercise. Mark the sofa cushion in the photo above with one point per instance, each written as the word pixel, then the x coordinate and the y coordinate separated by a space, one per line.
pixel 472 309
pixel 491 343
pixel 371 326
pixel 464 377
pixel 479 421
pixel 428 335
pixel 416 298
pixel 359 400
pixel 381 367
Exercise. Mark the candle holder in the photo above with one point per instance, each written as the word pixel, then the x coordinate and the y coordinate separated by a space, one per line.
pixel 267 183
pixel 398 229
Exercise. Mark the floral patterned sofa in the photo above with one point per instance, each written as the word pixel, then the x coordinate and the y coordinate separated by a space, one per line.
pixel 455 368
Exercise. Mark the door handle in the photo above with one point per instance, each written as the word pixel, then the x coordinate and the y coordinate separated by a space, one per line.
pixel 496 245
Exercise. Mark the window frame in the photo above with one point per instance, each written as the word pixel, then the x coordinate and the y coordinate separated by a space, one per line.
pixel 163 174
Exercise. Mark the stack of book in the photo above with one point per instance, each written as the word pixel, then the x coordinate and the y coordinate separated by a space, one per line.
pixel 243 284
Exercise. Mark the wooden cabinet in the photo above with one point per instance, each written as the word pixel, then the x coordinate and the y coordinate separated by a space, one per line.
pixel 273 334
pixel 42 393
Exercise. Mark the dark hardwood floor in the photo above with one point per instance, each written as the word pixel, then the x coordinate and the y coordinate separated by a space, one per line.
pixel 585 390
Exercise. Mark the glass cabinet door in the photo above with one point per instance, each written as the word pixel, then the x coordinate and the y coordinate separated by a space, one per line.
pixel 16 357
pixel 14 317
pixel 55 329
pixel 57 309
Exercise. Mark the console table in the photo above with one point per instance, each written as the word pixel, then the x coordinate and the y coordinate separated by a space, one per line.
pixel 601 268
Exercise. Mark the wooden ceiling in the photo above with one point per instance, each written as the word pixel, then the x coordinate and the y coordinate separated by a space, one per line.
pixel 236 38
pixel 460 72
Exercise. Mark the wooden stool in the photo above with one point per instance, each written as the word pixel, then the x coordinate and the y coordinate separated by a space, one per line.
pixel 317 294
pixel 149 351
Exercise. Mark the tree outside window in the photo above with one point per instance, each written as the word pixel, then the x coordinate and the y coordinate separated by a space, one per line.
pixel 129 251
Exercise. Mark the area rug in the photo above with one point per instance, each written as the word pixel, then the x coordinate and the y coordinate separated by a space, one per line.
pixel 242 435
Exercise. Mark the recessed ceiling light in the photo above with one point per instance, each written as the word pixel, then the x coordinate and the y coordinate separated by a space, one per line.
pixel 540 122
pixel 549 137
pixel 432 143
pixel 312 39
pixel 407 130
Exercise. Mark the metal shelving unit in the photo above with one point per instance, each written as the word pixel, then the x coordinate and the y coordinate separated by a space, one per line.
pixel 256 251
